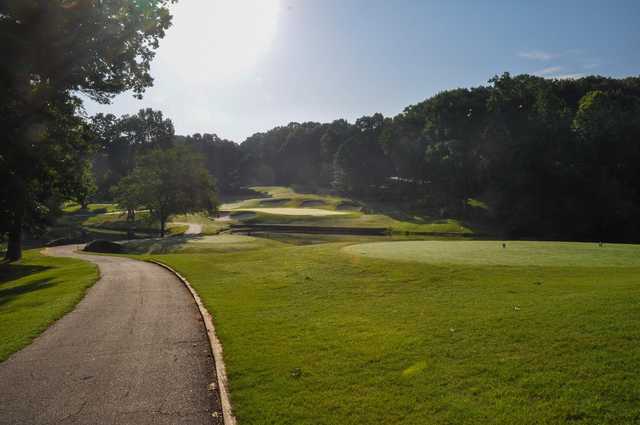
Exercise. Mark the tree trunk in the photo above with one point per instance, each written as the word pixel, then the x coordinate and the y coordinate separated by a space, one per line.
pixel 162 224
pixel 14 247
pixel 131 219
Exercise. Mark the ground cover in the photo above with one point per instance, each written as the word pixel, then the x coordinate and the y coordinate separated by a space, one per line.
pixel 498 253
pixel 318 335
pixel 36 291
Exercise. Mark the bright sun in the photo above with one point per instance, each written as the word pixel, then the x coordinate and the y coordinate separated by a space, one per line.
pixel 220 39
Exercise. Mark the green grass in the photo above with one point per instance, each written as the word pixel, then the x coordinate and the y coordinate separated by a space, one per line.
pixel 515 253
pixel 285 197
pixel 357 219
pixel 273 210
pixel 196 244
pixel 209 227
pixel 72 207
pixel 314 335
pixel 35 292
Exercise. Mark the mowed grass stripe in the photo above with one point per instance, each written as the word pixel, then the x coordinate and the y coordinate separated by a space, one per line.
pixel 499 253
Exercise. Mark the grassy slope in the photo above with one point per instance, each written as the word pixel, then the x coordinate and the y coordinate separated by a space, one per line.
pixel 313 335
pixel 35 292
pixel 414 224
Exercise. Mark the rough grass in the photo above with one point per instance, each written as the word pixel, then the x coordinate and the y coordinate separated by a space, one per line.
pixel 285 197
pixel 196 244
pixel 209 226
pixel 313 335
pixel 514 253
pixel 357 219
pixel 35 292
pixel 73 207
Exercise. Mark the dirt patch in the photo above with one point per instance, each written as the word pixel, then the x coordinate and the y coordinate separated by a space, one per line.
pixel 313 203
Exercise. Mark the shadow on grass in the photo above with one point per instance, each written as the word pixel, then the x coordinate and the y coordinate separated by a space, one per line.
pixel 7 295
pixel 10 271
pixel 159 245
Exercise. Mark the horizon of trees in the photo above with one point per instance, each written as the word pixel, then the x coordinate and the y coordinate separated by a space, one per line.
pixel 544 158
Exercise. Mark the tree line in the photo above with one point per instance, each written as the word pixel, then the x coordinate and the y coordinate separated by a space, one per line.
pixel 549 158
pixel 544 158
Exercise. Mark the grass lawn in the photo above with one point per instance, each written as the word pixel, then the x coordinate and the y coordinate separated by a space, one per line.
pixel 356 219
pixel 318 335
pixel 36 291
pixel 514 253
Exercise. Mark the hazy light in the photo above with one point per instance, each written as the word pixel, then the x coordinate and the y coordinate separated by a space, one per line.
pixel 219 39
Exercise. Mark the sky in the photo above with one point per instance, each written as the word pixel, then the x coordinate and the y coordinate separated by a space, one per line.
pixel 237 67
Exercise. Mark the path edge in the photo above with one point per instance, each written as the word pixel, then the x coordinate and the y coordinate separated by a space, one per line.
pixel 214 345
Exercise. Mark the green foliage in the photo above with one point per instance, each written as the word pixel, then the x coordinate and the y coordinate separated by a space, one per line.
pixel 52 50
pixel 168 182
pixel 550 158
pixel 35 292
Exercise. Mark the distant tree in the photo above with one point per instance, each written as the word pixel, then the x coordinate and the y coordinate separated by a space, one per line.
pixel 168 182
pixel 129 195
pixel 87 184
pixel 51 50
pixel 223 158
pixel 120 140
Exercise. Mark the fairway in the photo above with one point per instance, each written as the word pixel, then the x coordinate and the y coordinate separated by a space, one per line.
pixel 313 335
pixel 313 212
pixel 492 253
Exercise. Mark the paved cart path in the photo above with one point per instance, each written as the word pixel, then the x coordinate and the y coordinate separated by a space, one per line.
pixel 134 351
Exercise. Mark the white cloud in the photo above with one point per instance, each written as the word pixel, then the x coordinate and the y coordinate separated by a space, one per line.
pixel 537 55
pixel 567 76
pixel 549 70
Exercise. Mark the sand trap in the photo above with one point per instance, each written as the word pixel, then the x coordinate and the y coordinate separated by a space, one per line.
pixel 315 212
pixel 313 203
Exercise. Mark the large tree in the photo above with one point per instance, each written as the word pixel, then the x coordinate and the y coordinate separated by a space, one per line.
pixel 51 50
pixel 167 182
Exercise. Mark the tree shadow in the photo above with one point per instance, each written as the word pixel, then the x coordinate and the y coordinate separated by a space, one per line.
pixel 10 271
pixel 159 245
pixel 9 294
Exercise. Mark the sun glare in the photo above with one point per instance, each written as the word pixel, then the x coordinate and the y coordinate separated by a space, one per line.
pixel 221 39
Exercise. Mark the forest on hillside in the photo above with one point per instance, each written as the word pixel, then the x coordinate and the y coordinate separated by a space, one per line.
pixel 544 158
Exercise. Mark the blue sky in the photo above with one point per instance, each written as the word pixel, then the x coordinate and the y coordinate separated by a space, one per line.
pixel 237 67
